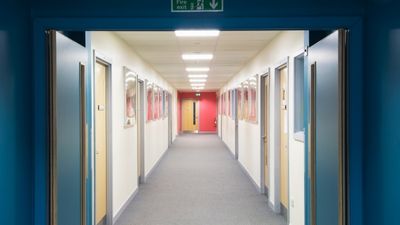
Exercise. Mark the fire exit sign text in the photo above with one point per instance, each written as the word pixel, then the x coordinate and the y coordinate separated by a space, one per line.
pixel 197 5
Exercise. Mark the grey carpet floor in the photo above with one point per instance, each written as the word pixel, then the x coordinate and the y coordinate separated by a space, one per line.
pixel 198 183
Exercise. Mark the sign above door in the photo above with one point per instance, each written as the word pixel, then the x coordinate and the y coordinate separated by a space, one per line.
pixel 197 5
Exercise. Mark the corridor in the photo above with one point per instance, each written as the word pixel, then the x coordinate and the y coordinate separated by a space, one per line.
pixel 198 182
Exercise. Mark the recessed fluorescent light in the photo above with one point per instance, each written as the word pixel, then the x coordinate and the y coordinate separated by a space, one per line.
pixel 197 75
pixel 197 56
pixel 197 69
pixel 198 84
pixel 197 80
pixel 197 33
pixel 197 88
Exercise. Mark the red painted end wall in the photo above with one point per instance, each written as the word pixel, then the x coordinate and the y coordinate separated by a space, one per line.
pixel 208 110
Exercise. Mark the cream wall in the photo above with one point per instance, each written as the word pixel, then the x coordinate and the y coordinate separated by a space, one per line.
pixel 228 136
pixel 283 47
pixel 124 140
pixel 296 158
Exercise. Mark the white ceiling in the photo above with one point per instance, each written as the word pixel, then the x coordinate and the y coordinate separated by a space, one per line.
pixel 232 51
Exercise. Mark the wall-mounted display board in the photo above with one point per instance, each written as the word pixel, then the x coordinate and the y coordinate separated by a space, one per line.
pixel 253 91
pixel 223 104
pixel 156 105
pixel 149 94
pixel 160 103
pixel 228 101
pixel 166 103
pixel 130 83
pixel 234 110
pixel 239 102
pixel 245 88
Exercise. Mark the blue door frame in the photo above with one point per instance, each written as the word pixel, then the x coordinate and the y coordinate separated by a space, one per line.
pixel 355 81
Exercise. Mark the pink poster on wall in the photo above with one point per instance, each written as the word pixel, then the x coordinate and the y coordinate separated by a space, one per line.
pixel 228 106
pixel 149 102
pixel 223 104
pixel 160 103
pixel 156 103
pixel 245 100
pixel 239 102
pixel 253 98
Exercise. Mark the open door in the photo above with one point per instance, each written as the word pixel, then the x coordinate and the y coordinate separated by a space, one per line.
pixel 327 130
pixel 68 130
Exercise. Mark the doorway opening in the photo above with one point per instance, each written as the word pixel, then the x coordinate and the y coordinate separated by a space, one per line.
pixel 280 94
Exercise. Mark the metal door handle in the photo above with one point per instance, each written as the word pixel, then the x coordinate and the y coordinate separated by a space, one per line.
pixel 84 134
pixel 312 147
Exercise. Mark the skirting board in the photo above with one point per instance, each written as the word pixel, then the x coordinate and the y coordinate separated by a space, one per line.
pixel 156 165
pixel 284 211
pixel 275 208
pixel 125 205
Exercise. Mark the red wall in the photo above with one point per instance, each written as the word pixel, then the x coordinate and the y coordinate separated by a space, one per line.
pixel 208 109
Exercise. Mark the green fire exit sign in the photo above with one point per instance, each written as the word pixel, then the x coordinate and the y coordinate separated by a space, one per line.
pixel 197 5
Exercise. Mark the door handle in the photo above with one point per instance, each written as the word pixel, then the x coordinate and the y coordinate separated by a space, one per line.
pixel 84 135
pixel 312 139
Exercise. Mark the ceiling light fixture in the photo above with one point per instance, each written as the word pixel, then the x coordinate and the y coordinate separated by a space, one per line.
pixel 197 75
pixel 197 33
pixel 197 80
pixel 198 84
pixel 197 88
pixel 197 69
pixel 197 56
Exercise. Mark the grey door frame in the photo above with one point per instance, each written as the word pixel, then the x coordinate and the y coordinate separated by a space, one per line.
pixel 140 127
pixel 98 57
pixel 236 124
pixel 264 76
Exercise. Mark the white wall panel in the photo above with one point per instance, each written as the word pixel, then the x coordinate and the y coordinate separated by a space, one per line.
pixel 284 45
pixel 124 140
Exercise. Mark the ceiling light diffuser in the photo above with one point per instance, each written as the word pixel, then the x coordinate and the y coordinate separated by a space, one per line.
pixel 198 84
pixel 197 56
pixel 197 69
pixel 197 80
pixel 197 33
pixel 197 88
pixel 197 75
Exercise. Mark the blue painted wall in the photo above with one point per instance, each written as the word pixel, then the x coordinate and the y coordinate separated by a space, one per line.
pixel 382 109
pixel 381 86
pixel 16 188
